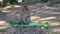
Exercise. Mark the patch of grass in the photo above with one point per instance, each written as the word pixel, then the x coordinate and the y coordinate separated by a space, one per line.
pixel 6 3
pixel 34 23
pixel 14 23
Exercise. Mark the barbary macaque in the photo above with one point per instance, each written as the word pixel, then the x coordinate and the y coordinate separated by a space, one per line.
pixel 25 14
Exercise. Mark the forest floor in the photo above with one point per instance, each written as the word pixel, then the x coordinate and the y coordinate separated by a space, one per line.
pixel 39 12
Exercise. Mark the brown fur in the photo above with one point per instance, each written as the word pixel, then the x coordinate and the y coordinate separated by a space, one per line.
pixel 25 7
pixel 25 17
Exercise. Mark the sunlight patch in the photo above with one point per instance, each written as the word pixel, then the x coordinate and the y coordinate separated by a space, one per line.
pixel 47 18
pixel 35 17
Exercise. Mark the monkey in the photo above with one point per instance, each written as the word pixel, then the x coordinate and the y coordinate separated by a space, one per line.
pixel 25 17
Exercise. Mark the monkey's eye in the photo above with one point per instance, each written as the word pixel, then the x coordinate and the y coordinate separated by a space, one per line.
pixel 27 16
pixel 25 19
